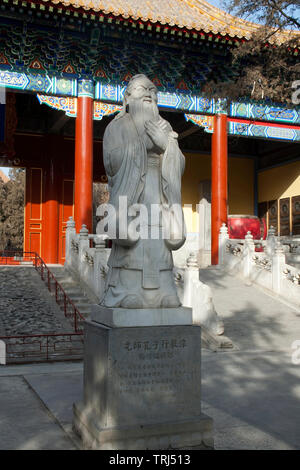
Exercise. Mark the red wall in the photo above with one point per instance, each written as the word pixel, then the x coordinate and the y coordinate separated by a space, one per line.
pixel 49 191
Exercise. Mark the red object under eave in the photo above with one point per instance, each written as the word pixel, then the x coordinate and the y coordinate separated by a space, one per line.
pixel 240 225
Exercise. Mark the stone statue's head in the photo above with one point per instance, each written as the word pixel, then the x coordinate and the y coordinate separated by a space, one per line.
pixel 140 87
pixel 140 97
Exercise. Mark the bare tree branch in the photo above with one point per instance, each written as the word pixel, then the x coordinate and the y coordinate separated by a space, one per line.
pixel 267 64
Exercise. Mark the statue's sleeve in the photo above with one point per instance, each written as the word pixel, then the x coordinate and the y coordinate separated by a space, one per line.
pixel 113 149
pixel 124 161
pixel 172 168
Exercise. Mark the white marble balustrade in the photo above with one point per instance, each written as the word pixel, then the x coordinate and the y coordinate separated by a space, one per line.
pixel 88 264
pixel 267 268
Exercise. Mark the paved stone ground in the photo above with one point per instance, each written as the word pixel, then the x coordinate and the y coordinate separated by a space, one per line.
pixel 253 398
pixel 26 306
pixel 25 422
pixel 253 393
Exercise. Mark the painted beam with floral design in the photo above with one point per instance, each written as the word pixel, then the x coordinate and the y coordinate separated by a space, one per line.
pixel 69 106
pixel 249 128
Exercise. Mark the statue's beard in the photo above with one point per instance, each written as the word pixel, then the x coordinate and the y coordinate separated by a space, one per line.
pixel 142 112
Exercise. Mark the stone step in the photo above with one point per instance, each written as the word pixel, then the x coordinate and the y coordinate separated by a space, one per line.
pixel 76 294
pixel 81 304
pixel 75 297
pixel 56 268
pixel 57 273
pixel 60 274
pixel 72 288
pixel 65 280
pixel 78 298
pixel 83 307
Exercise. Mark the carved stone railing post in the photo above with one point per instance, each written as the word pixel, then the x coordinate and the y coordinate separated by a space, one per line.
pixel 83 245
pixel 191 273
pixel 271 242
pixel 278 262
pixel 100 260
pixel 198 296
pixel 248 255
pixel 70 232
pixel 223 238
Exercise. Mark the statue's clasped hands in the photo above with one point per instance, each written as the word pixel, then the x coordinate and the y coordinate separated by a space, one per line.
pixel 157 134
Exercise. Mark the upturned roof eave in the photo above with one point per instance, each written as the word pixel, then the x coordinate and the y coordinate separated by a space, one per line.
pixel 239 29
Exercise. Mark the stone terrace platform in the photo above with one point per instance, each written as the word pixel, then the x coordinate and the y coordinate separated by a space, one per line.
pixel 251 392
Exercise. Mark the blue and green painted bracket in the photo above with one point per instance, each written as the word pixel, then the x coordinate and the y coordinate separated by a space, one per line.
pixel 257 120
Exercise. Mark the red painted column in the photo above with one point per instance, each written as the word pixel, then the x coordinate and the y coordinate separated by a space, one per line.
pixel 50 235
pixel 219 185
pixel 84 156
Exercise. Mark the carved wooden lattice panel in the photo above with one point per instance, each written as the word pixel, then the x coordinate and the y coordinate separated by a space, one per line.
pixel 273 215
pixel 296 215
pixel 284 214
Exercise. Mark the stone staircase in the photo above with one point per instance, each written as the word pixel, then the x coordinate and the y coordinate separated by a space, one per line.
pixel 33 327
pixel 80 296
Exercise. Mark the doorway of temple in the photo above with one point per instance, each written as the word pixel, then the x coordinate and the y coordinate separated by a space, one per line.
pixel 43 142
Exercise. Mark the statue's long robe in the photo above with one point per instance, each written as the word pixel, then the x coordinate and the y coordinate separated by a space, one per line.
pixel 127 164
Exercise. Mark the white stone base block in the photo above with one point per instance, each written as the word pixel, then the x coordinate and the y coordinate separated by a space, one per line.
pixel 142 389
pixel 129 317
pixel 173 435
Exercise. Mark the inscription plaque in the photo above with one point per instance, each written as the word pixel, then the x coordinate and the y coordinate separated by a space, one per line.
pixel 151 366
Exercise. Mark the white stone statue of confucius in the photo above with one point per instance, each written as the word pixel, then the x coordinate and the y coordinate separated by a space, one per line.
pixel 144 163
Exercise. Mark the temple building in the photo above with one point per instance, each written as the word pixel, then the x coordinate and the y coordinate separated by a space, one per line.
pixel 65 65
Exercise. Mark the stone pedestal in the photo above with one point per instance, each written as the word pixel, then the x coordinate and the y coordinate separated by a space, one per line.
pixel 128 317
pixel 142 388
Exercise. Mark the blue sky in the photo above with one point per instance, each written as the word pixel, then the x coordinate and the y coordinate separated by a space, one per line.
pixel 216 3
pixel 5 170
pixel 220 4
